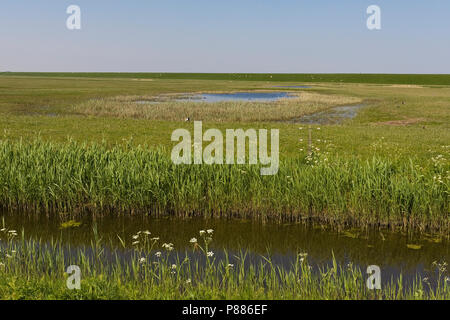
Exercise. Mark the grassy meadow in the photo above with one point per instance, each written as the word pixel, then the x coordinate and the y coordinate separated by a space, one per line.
pixel 420 79
pixel 396 145
pixel 81 144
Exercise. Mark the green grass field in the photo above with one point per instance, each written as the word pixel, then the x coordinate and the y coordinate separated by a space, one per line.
pixel 422 79
pixel 77 144
pixel 383 161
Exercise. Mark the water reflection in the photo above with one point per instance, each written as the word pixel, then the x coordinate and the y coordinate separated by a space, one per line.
pixel 237 96
pixel 223 97
pixel 390 251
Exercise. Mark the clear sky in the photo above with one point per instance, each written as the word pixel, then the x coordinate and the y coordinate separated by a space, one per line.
pixel 226 36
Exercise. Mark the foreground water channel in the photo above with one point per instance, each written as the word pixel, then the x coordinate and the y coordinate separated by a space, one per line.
pixel 394 253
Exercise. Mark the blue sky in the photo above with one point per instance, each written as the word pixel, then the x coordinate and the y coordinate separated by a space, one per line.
pixel 226 36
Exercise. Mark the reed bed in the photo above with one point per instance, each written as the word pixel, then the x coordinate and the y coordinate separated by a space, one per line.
pixel 30 269
pixel 44 177
pixel 164 107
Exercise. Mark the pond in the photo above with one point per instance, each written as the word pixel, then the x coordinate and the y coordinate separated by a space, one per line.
pixel 227 97
pixel 393 252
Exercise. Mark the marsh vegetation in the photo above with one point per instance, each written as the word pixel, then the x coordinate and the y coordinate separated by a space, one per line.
pixel 153 270
pixel 78 145
pixel 43 177
pixel 170 109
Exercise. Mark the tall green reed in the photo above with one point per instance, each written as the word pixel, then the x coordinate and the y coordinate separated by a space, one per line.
pixel 47 177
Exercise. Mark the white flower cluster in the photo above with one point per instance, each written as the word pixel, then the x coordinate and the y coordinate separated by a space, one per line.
pixel 168 246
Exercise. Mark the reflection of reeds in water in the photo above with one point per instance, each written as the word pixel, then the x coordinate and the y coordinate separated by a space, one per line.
pixel 71 177
pixel 35 270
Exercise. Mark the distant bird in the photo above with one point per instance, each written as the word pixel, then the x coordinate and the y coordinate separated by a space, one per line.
pixel 187 119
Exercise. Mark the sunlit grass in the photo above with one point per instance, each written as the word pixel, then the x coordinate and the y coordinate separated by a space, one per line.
pixel 71 177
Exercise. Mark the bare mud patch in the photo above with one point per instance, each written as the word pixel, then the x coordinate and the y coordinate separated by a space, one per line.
pixel 404 122
pixel 407 86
